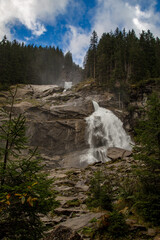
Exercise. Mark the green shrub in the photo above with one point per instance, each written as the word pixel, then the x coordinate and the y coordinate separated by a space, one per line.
pixel 25 194
pixel 100 193
pixel 147 198
pixel 73 203
pixel 142 190
pixel 148 206
pixel 111 226
pixel 117 226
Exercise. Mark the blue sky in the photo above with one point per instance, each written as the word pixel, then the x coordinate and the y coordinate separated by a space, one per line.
pixel 69 23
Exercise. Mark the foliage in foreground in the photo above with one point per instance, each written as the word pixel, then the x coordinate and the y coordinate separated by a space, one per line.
pixel 25 192
pixel 110 226
pixel 100 194
pixel 117 226
pixel 146 194
pixel 148 134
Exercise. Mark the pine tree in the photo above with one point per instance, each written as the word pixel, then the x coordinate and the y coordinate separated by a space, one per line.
pixel 33 65
pixel 91 58
pixel 25 192
pixel 122 58
pixel 148 133
pixel 147 199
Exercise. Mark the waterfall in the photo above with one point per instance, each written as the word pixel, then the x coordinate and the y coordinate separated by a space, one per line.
pixel 67 85
pixel 104 130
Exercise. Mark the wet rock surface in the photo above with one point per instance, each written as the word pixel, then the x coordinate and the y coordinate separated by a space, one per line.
pixel 56 120
pixel 117 153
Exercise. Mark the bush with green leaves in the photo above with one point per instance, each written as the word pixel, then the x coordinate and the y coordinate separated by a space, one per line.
pixel 147 150
pixel 25 191
pixel 117 226
pixel 148 134
pixel 111 226
pixel 100 192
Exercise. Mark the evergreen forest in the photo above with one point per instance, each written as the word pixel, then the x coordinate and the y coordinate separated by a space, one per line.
pixel 30 64
pixel 122 58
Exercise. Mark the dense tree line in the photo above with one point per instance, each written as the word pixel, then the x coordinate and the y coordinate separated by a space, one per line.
pixel 20 63
pixel 120 58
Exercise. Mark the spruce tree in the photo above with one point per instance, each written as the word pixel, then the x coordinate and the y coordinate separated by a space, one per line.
pixel 147 150
pixel 25 191
pixel 91 58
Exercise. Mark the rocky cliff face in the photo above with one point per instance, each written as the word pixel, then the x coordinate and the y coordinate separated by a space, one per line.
pixel 56 120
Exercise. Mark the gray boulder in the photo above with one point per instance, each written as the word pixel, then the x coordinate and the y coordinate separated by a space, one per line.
pixel 63 233
pixel 115 153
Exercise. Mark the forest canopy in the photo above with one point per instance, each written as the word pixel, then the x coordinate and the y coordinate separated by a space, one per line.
pixel 31 64
pixel 122 58
pixel 119 58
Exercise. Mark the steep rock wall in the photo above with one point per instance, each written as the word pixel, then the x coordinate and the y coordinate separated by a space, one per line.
pixel 56 120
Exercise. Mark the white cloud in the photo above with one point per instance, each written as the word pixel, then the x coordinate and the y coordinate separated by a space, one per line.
pixel 107 16
pixel 78 43
pixel 33 14
pixel 111 14
pixel 126 14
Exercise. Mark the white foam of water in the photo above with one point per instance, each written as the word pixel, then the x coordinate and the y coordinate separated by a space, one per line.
pixel 67 85
pixel 104 130
pixel 96 106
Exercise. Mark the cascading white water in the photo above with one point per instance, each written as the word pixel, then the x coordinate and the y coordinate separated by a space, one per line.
pixel 104 130
pixel 67 85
